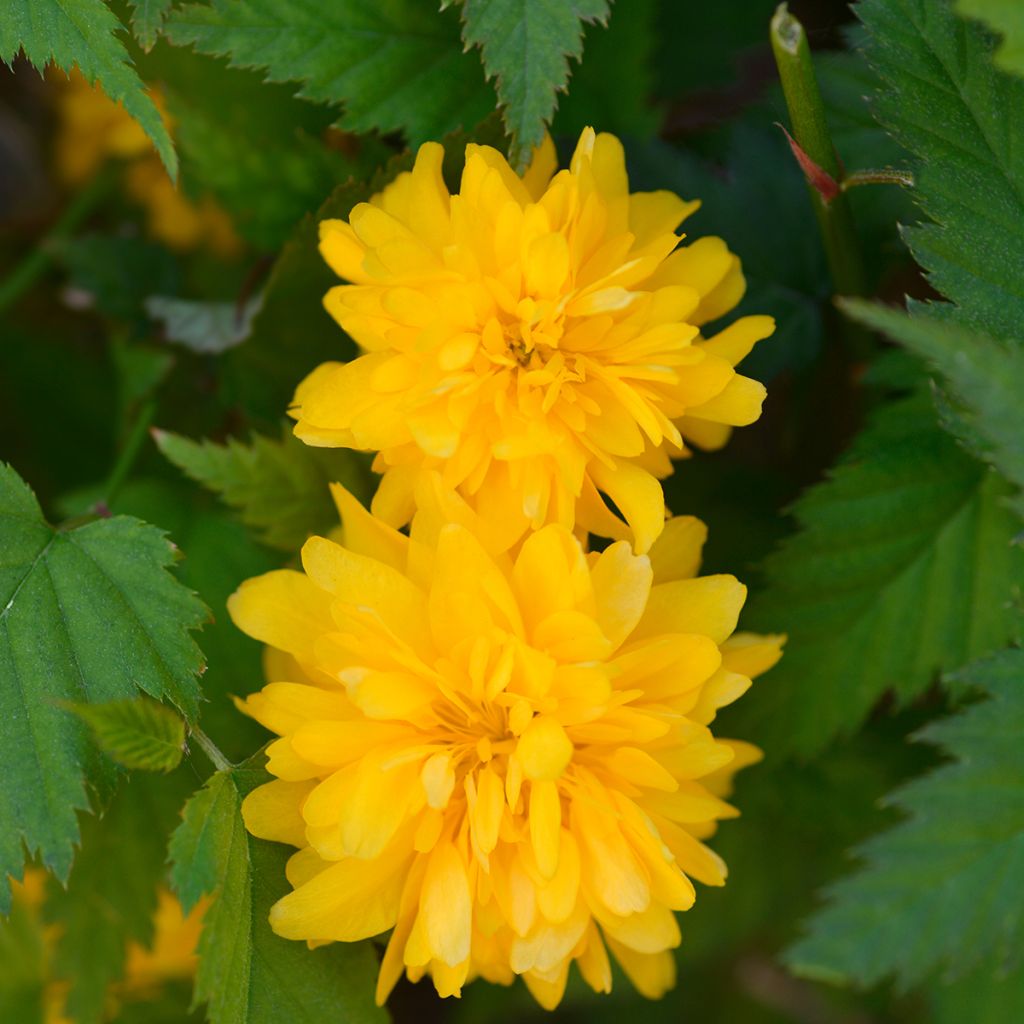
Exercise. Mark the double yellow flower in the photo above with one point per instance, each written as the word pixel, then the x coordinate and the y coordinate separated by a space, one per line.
pixel 494 741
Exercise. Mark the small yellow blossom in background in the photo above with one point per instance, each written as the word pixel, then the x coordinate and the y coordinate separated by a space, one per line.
pixel 502 755
pixel 537 340
pixel 172 956
pixel 93 128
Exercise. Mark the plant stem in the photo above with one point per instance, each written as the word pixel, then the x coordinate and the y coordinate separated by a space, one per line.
pixel 28 271
pixel 807 114
pixel 211 750
pixel 130 451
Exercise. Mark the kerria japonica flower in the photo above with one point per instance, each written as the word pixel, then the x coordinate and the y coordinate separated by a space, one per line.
pixel 536 340
pixel 502 757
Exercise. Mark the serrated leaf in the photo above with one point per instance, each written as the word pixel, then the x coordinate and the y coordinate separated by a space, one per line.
pixel 281 488
pixel 138 733
pixel 147 20
pixel 83 32
pixel 904 566
pixel 984 374
pixel 964 120
pixel 940 891
pixel 111 894
pixel 526 47
pixel 396 65
pixel 87 614
pixel 247 975
pixel 1005 17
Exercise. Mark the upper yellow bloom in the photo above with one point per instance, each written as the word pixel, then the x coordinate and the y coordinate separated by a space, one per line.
pixel 536 340
pixel 503 756
pixel 93 128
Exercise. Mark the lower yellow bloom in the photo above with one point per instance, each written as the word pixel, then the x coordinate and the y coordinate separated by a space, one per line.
pixel 502 757
pixel 93 129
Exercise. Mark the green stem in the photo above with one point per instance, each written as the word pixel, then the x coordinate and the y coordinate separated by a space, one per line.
pixel 28 271
pixel 807 114
pixel 211 750
pixel 130 451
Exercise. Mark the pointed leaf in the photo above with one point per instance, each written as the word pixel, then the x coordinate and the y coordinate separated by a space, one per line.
pixel 83 33
pixel 87 614
pixel 137 734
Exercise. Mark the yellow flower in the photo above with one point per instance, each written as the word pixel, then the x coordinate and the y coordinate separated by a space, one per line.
pixel 93 128
pixel 536 340
pixel 171 957
pixel 503 757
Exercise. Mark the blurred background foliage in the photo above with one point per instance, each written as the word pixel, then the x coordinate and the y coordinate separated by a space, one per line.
pixel 125 307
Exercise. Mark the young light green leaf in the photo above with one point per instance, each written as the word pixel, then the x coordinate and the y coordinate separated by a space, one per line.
pixel 247 975
pixel 1007 18
pixel 526 47
pixel 147 20
pixel 281 488
pixel 903 566
pixel 111 896
pixel 945 102
pixel 983 373
pixel 83 33
pixel 87 614
pixel 396 66
pixel 137 733
pixel 941 890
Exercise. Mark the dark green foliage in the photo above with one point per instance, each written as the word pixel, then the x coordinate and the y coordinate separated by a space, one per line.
pixel 112 890
pixel 903 566
pixel 941 890
pixel 394 66
pixel 963 120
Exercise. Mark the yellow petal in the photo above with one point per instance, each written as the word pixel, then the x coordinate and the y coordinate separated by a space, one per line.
pixel 708 605
pixel 274 811
pixel 544 750
pixel 284 609
pixel 446 906
pixel 545 825
pixel 676 554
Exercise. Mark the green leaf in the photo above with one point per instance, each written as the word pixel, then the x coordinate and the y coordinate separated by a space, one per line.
pixel 984 375
pixel 137 734
pixel 247 975
pixel 1007 18
pixel 945 102
pixel 83 32
pixel 147 20
pixel 281 488
pixel 941 890
pixel 87 614
pixel 903 566
pixel 219 553
pixel 526 46
pixel 111 895
pixel 396 65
